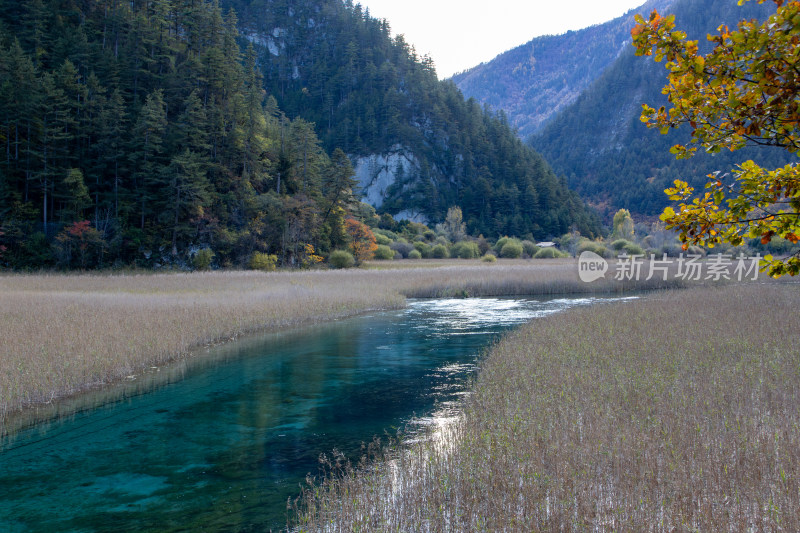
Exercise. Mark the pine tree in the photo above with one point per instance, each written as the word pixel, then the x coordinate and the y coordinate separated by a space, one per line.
pixel 255 142
pixel 191 127
pixel 75 93
pixel 188 188
pixel 77 199
pixel 21 95
pixel 56 127
pixel 338 185
pixel 113 121
pixel 146 150
pixel 306 155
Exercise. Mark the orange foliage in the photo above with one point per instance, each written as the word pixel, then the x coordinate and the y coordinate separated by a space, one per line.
pixel 363 242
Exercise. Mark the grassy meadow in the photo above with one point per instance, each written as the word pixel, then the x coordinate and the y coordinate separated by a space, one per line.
pixel 64 334
pixel 676 412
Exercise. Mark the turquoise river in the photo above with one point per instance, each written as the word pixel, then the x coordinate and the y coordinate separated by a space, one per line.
pixel 222 443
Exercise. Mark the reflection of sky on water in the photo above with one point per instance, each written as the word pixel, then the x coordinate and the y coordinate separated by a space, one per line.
pixel 473 315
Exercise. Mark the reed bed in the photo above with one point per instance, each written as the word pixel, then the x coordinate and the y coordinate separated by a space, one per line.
pixel 677 412
pixel 64 334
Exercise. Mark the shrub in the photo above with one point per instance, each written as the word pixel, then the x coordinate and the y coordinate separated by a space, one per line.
pixel 619 244
pixel 415 228
pixel 483 245
pixel 633 249
pixel 549 253
pixel 466 250
pixel 569 242
pixel 401 247
pixel 602 251
pixel 262 261
pixel 382 239
pixel 392 236
pixel 500 243
pixel 672 250
pixel 341 259
pixel 414 254
pixel 429 234
pixel 202 259
pixel 489 258
pixel 440 251
pixel 596 247
pixel 512 249
pixel 424 249
pixel 36 251
pixel 79 244
pixel 384 252
pixel 529 248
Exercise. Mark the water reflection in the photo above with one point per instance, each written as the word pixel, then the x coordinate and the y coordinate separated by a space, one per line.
pixel 222 448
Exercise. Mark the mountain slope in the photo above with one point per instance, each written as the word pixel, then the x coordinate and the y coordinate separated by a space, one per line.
pixel 532 82
pixel 417 145
pixel 139 132
pixel 609 156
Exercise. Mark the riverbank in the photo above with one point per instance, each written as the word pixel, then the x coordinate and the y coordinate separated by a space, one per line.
pixel 67 334
pixel 676 411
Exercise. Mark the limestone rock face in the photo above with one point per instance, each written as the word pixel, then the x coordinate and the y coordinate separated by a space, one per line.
pixel 377 172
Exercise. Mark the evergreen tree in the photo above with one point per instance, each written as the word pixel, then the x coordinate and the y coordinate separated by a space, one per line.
pixel 188 195
pixel 111 162
pixel 77 199
pixel 146 150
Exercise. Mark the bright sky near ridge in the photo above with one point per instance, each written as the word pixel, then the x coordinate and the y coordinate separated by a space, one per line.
pixel 459 34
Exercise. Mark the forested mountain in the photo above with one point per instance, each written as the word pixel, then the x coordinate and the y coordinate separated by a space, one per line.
pixel 140 132
pixel 143 131
pixel 609 156
pixel 534 81
pixel 418 146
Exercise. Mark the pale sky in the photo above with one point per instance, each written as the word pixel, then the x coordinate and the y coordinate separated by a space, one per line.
pixel 459 34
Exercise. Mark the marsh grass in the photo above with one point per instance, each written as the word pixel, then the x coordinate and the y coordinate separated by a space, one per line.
pixel 66 334
pixel 677 412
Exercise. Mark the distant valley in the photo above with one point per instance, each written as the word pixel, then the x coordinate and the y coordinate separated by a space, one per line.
pixel 582 112
pixel 534 81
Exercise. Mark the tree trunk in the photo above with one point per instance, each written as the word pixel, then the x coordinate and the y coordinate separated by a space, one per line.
pixel 175 226
pixel 116 190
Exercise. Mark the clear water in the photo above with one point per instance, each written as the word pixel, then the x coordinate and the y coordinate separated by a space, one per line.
pixel 225 446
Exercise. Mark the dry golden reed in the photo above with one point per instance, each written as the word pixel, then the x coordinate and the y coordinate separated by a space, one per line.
pixel 63 334
pixel 677 412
